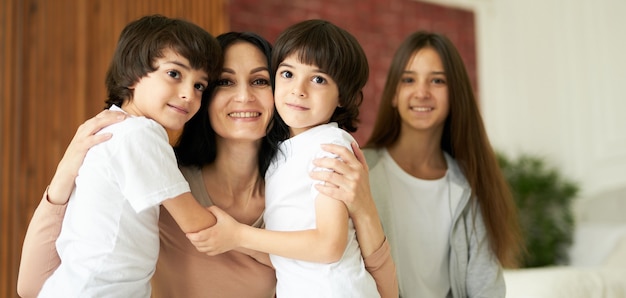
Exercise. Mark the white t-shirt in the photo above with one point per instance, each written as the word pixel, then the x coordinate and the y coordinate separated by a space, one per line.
pixel 290 206
pixel 109 242
pixel 418 228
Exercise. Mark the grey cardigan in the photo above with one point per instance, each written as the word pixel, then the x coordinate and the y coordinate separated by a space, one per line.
pixel 474 269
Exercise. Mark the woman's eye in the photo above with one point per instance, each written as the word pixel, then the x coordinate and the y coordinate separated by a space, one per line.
pixel 319 80
pixel 261 82
pixel 224 82
pixel 200 87
pixel 174 74
pixel 286 74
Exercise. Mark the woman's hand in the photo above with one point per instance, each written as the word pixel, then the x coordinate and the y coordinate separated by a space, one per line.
pixel 221 237
pixel 349 182
pixel 63 180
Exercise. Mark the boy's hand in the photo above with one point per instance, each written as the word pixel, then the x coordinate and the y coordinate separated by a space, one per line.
pixel 221 237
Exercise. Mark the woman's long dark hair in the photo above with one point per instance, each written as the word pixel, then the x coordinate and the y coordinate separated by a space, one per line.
pixel 196 145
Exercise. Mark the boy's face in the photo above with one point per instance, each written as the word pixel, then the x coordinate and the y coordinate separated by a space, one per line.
pixel 305 96
pixel 171 94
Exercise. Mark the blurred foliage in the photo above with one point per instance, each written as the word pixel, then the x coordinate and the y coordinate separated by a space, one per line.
pixel 544 200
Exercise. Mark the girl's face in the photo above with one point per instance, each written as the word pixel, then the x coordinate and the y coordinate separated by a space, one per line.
pixel 171 94
pixel 422 94
pixel 242 105
pixel 305 95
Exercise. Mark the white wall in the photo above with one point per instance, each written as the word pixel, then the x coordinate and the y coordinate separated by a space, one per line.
pixel 552 80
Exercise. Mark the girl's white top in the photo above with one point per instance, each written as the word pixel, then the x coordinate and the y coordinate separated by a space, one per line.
pixel 419 230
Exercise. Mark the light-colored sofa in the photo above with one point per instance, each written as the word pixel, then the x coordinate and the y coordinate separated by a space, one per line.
pixel 597 267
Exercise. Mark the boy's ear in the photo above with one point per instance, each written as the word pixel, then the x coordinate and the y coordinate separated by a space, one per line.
pixel 133 85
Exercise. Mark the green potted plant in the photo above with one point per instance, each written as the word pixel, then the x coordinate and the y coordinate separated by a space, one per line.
pixel 543 197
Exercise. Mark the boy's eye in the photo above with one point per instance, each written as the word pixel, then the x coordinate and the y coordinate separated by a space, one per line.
pixel 174 74
pixel 318 80
pixel 200 87
pixel 286 74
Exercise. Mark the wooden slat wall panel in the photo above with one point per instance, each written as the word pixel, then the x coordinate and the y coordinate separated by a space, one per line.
pixel 8 92
pixel 54 56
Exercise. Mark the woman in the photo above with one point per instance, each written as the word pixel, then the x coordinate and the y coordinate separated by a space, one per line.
pixel 223 156
pixel 445 206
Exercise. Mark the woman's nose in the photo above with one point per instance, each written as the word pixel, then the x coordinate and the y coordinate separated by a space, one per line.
pixel 244 94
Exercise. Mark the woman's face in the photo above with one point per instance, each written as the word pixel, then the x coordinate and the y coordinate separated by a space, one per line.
pixel 422 95
pixel 243 103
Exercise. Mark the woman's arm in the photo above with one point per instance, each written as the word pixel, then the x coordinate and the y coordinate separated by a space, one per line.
pixel 39 255
pixel 349 183
pixel 382 268
pixel 62 182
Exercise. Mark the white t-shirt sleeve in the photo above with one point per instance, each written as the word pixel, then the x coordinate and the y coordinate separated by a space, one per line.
pixel 334 136
pixel 146 166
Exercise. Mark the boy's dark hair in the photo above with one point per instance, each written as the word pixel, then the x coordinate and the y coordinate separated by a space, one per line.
pixel 142 42
pixel 196 145
pixel 336 52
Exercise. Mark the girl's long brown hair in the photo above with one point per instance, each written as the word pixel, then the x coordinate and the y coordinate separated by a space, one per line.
pixel 464 138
